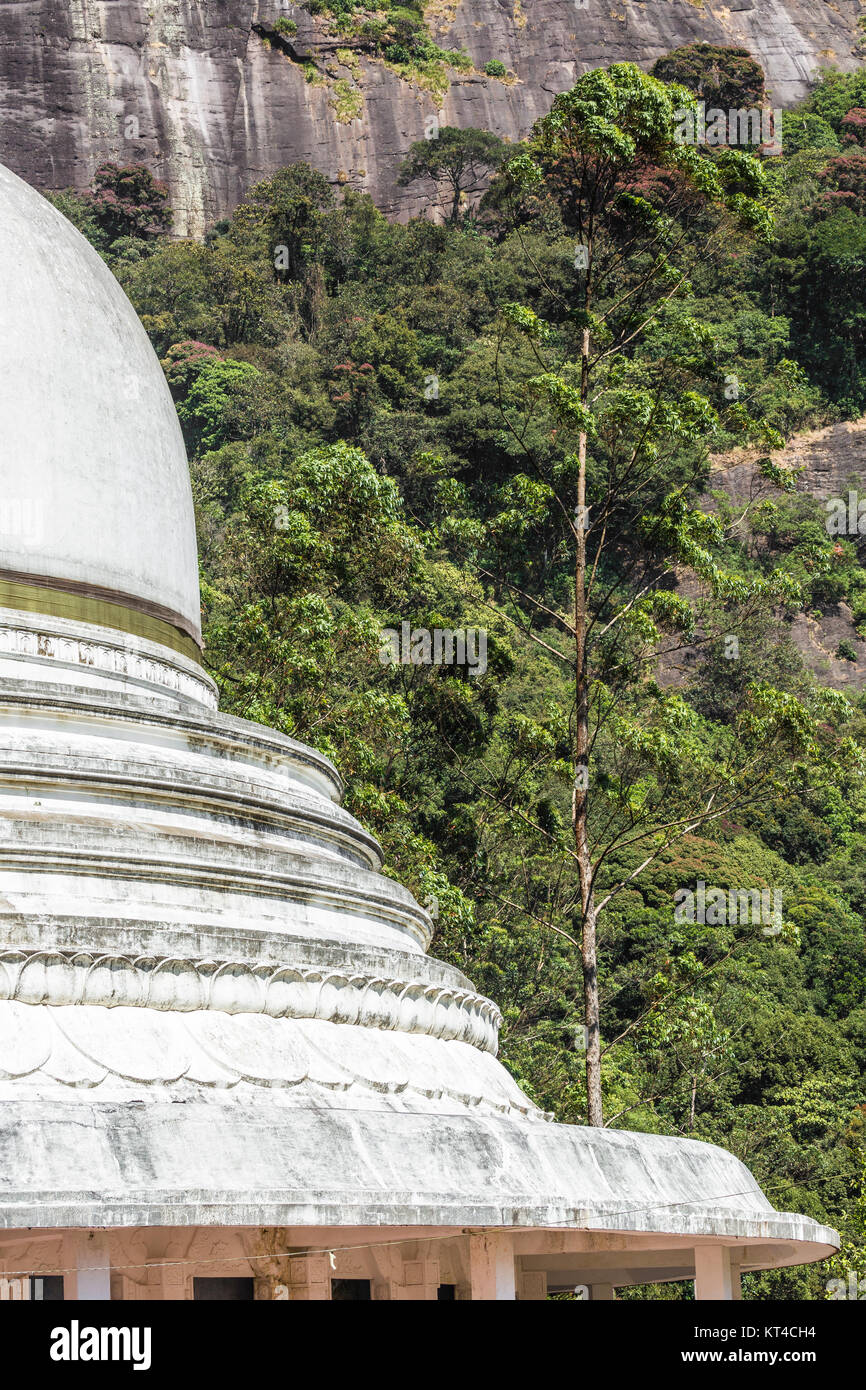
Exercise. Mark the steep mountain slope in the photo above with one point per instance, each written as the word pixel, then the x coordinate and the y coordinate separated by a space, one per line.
pixel 826 463
pixel 206 94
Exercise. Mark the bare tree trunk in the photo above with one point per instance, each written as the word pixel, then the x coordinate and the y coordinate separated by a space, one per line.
pixel 455 202
pixel 580 798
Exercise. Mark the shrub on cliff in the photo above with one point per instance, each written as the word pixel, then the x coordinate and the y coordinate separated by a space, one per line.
pixel 456 163
pixel 854 127
pixel 722 77
pixel 127 201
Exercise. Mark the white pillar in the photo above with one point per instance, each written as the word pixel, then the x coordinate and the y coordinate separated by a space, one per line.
pixel 532 1285
pixel 418 1280
pixel 92 1266
pixel 491 1265
pixel 310 1278
pixel 600 1292
pixel 716 1277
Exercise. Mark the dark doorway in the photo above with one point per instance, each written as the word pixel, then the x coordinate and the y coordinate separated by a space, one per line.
pixel 46 1288
pixel 354 1290
pixel 223 1290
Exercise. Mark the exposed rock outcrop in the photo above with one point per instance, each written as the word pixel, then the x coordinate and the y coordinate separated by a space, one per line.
pixel 827 463
pixel 195 89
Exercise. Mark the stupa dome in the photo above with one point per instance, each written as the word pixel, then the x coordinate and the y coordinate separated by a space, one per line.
pixel 96 517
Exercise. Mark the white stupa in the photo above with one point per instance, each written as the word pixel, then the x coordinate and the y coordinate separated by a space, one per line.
pixel 223 1049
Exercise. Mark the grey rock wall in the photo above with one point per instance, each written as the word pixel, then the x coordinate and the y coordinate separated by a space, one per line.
pixel 827 463
pixel 190 87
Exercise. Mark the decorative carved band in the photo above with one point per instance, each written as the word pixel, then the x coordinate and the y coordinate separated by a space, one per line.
pixel 105 656
pixel 121 1054
pixel 63 977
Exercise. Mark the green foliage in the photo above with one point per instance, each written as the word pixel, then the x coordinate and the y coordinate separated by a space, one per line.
pixel 380 422
pixel 835 95
pixel 806 131
pixel 347 101
pixel 456 162
pixel 826 304
pixel 123 213
pixel 847 1270
pixel 205 410
pixel 397 34
pixel 721 77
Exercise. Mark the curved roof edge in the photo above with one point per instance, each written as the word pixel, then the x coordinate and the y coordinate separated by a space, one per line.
pixel 107 1164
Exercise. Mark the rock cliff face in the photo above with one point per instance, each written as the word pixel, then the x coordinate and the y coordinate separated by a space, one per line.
pixel 193 88
pixel 826 463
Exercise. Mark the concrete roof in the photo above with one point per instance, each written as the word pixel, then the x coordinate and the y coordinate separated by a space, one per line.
pixel 110 1164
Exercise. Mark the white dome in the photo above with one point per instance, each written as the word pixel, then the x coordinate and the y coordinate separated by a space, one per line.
pixel 96 515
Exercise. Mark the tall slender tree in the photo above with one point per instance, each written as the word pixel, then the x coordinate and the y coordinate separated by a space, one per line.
pixel 623 376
